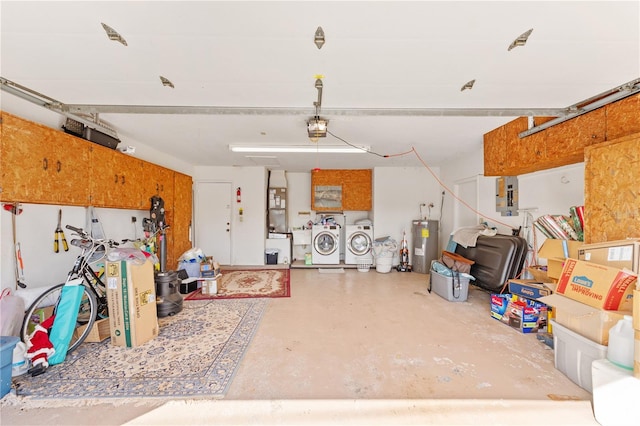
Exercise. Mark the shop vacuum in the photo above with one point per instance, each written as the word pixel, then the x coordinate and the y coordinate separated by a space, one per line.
pixel 168 299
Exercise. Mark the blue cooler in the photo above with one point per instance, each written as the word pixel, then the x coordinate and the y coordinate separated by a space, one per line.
pixel 7 343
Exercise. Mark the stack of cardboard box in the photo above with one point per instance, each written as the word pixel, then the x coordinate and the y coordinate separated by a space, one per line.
pixel 590 298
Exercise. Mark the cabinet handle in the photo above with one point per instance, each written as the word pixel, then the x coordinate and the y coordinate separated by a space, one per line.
pixel 157 188
pixel 59 166
pixel 45 164
pixel 116 181
pixel 122 179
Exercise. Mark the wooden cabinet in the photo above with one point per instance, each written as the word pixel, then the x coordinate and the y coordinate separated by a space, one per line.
pixel 339 190
pixel 611 190
pixel 623 117
pixel 566 141
pixel 116 180
pixel 495 147
pixel 181 214
pixel 42 165
pixel 157 181
pixel 505 153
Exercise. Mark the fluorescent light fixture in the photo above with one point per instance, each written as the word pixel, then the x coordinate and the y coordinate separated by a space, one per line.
pixel 332 149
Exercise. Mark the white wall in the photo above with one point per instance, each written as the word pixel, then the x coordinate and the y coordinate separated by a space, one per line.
pixel 551 191
pixel 397 195
pixel 247 236
pixel 35 228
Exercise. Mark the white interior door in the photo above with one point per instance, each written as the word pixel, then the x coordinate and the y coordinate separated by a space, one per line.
pixel 213 220
pixel 466 190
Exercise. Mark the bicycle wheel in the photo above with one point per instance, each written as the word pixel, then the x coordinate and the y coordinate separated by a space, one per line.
pixel 45 305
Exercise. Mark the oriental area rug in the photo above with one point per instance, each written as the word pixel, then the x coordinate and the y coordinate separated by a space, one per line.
pixel 248 283
pixel 195 354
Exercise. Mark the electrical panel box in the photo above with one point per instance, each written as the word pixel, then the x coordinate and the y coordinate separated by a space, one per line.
pixel 507 195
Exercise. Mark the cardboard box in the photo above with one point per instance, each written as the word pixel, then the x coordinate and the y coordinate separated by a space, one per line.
pixel 636 310
pixel 131 296
pixel 556 251
pixel 596 285
pixel 539 273
pixel 619 254
pixel 209 285
pixel 531 289
pixel 528 316
pixel 99 331
pixel 587 321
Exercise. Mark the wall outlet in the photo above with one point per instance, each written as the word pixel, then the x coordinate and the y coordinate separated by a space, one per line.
pixel 134 219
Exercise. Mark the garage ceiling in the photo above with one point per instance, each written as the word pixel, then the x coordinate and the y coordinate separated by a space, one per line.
pixel 392 72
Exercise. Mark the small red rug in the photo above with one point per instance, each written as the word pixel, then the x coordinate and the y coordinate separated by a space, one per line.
pixel 248 283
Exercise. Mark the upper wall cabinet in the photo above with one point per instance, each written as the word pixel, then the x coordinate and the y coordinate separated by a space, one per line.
pixel 115 179
pixel 158 181
pixel 506 153
pixel 339 190
pixel 42 165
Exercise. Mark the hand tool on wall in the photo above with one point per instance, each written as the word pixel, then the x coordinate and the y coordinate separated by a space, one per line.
pixel 16 209
pixel 59 234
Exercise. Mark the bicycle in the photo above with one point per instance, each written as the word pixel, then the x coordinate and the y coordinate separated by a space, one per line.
pixel 93 304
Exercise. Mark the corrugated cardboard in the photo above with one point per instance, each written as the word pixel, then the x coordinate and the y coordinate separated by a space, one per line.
pixel 131 296
pixel 556 251
pixel 531 289
pixel 617 254
pixel 636 310
pixel 589 322
pixel 596 285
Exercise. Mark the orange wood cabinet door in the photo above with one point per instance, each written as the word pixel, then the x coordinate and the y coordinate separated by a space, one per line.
pixel 43 165
pixel 157 181
pixel 495 146
pixel 116 180
pixel 180 230
pixel 337 190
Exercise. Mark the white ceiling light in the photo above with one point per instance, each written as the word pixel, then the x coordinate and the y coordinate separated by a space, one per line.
pixel 327 149
pixel 521 40
pixel 113 34
pixel 166 82
pixel 468 85
pixel 318 38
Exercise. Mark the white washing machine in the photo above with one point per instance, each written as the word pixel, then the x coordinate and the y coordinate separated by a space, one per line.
pixel 325 244
pixel 359 244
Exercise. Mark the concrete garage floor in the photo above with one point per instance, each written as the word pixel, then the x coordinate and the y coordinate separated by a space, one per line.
pixel 366 342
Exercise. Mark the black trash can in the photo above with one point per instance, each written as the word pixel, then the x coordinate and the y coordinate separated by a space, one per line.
pixel 271 256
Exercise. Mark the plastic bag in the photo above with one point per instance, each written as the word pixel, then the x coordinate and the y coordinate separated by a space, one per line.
pixel 11 313
pixel 134 255
pixel 66 316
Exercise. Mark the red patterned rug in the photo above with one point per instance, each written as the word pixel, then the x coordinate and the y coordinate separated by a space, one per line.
pixel 247 283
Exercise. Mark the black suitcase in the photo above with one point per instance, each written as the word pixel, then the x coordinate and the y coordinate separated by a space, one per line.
pixel 497 259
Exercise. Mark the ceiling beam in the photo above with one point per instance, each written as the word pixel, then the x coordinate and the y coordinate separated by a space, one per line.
pixel 228 110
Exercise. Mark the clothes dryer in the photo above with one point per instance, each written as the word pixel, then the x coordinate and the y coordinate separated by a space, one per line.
pixel 325 244
pixel 359 244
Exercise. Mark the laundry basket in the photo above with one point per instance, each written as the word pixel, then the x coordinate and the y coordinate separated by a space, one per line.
pixel 384 248
pixel 364 265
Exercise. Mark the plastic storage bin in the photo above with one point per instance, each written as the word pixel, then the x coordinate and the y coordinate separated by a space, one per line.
pixel 574 354
pixel 7 343
pixel 454 289
pixel 271 256
pixel 615 394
